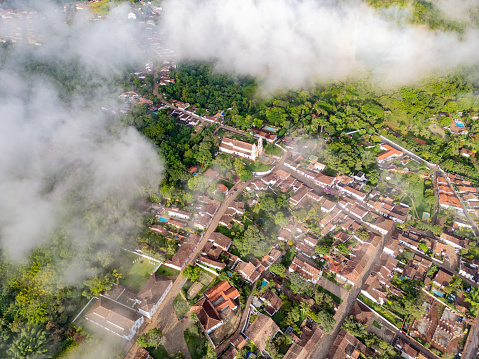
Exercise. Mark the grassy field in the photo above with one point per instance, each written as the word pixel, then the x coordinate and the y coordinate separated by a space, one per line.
pixel 138 274
pixel 416 195
pixel 167 271
pixel 258 167
pixel 273 150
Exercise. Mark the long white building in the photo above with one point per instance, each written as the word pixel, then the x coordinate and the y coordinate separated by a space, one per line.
pixel 244 149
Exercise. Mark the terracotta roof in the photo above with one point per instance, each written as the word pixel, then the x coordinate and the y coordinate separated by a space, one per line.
pixel 442 278
pixel 308 339
pixel 210 174
pixel 231 353
pixel 389 153
pixel 220 240
pixel 116 317
pixel 248 271
pixel 207 314
pixel 181 256
pixel 261 331
pixel 273 299
pixel 343 346
pixel 238 341
pixel 407 348
pixel 458 241
pixel 237 144
pixel 222 290
pixel 449 200
pixel 354 191
pixel 324 180
pixel 152 291
pixel 304 269
pixel 211 263
pixel 361 313
pixel 159 229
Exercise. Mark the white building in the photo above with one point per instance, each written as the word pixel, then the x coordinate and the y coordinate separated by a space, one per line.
pixel 240 148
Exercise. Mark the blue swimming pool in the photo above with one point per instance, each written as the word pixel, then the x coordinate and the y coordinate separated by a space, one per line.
pixel 426 215
pixel 264 284
pixel 437 293
pixel 459 123
pixel 271 129
pixel 163 219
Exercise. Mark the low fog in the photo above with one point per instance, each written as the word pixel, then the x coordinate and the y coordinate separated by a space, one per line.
pixel 64 164
pixel 294 43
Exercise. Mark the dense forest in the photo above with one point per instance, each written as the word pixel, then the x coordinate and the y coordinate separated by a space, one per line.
pixel 332 110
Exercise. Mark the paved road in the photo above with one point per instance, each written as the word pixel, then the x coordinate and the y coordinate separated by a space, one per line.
pixel 165 317
pixel 321 349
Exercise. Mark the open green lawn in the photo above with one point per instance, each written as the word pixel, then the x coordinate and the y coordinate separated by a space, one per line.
pixel 416 191
pixel 167 271
pixel 271 149
pixel 138 274
pixel 258 167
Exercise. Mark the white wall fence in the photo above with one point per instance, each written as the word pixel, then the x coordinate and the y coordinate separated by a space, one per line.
pixel 258 174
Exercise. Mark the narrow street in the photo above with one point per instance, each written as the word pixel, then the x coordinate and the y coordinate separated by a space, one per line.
pixel 326 341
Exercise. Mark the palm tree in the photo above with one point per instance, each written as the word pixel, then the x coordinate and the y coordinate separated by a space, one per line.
pixel 473 299
pixel 32 343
